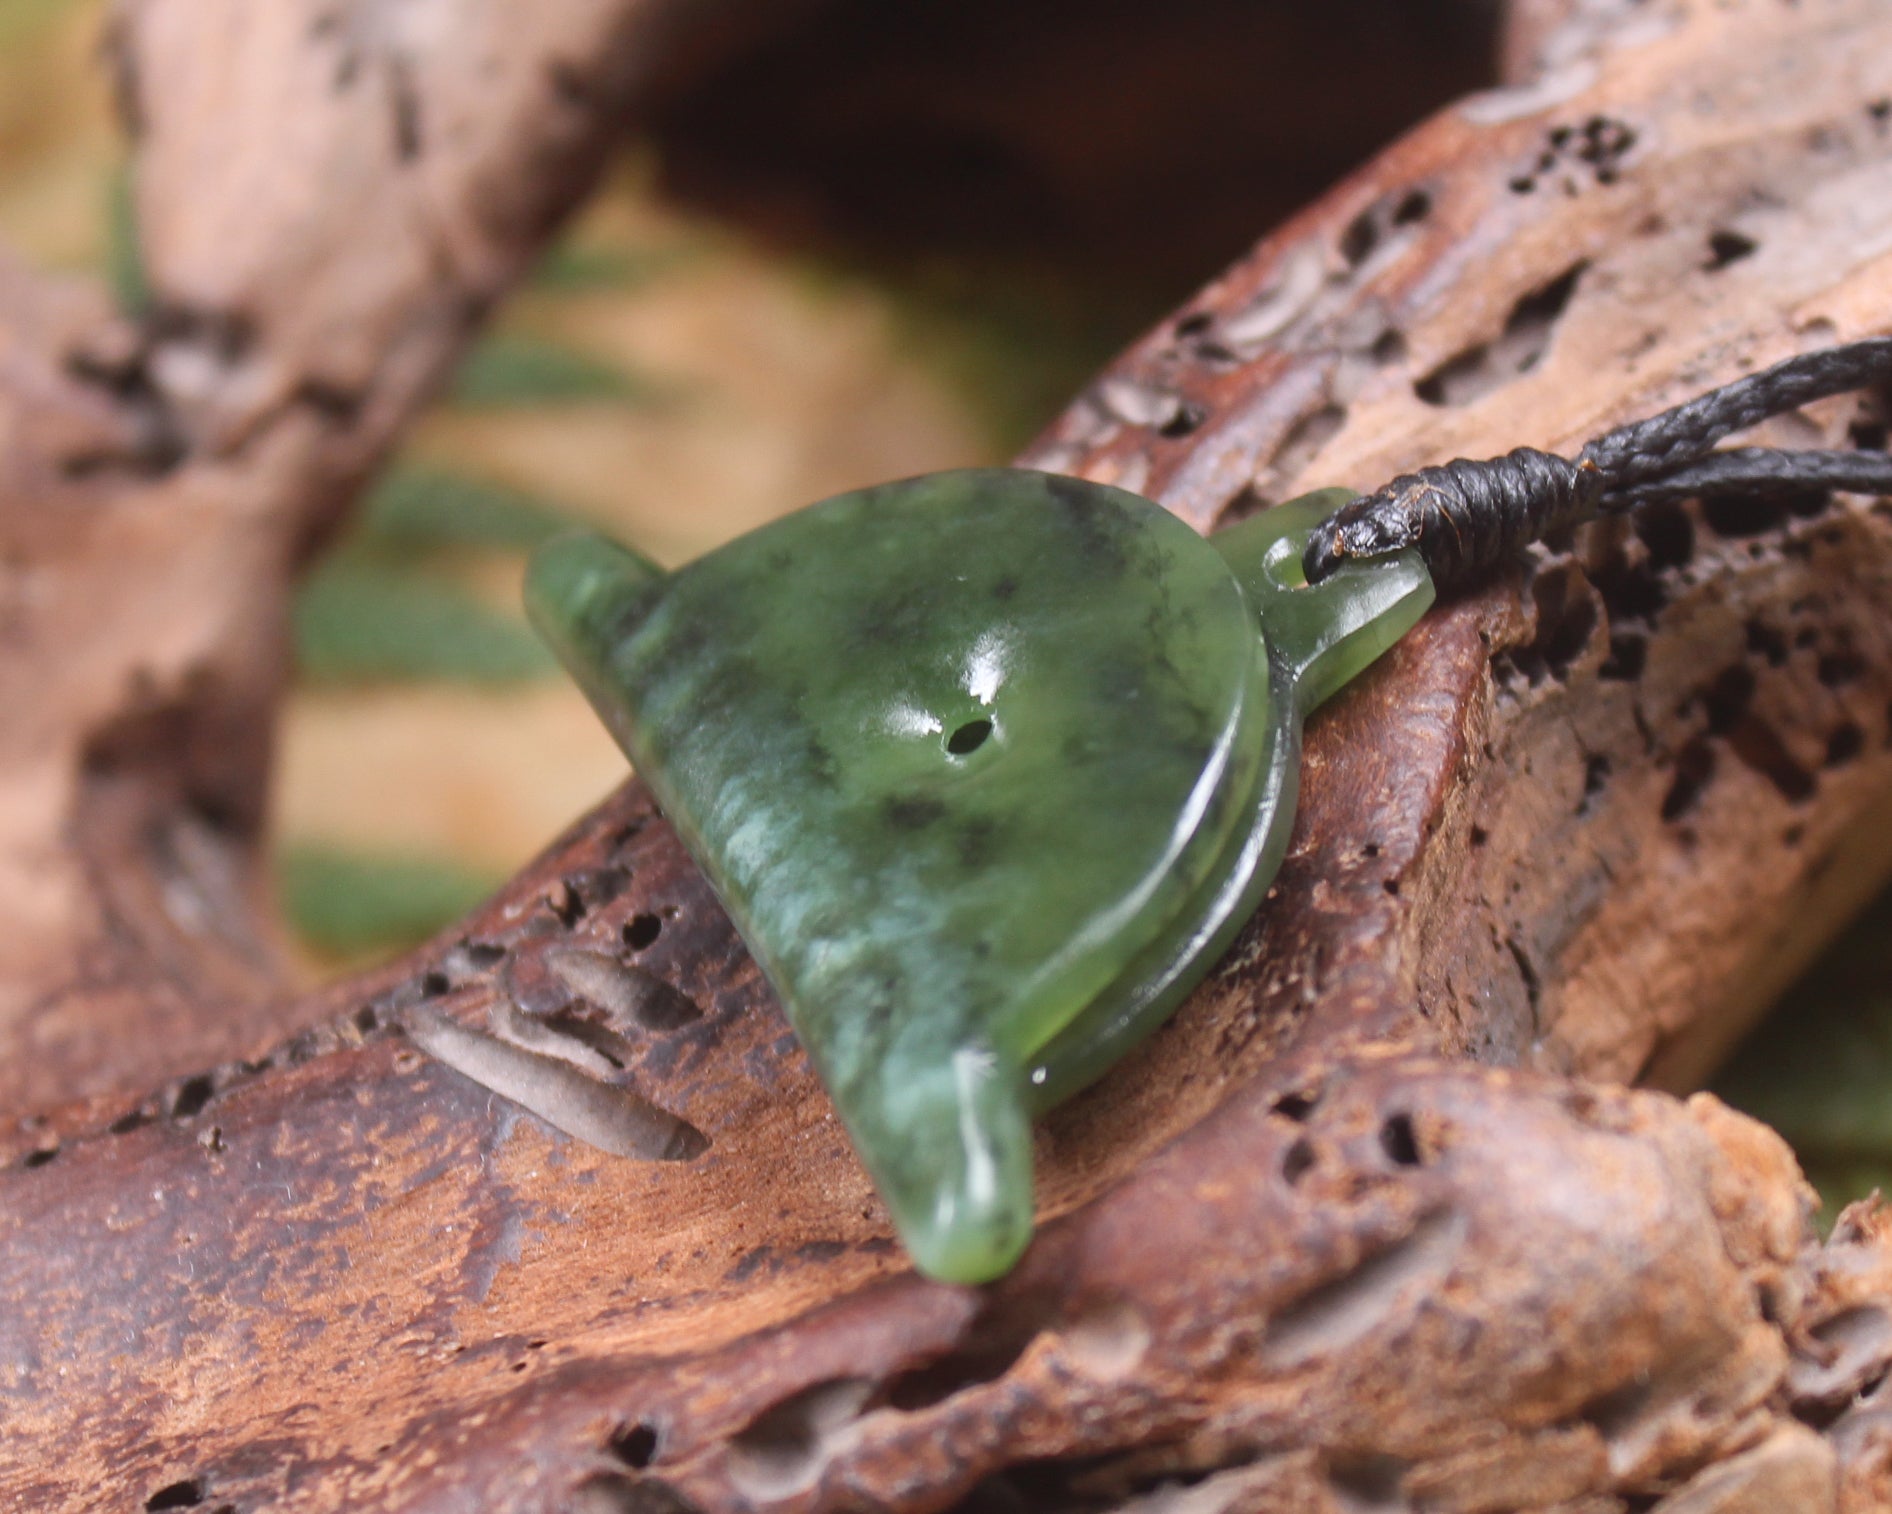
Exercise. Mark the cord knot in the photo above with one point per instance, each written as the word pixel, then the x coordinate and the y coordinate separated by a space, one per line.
pixel 1464 517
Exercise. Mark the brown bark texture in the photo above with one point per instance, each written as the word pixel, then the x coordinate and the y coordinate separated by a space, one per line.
pixel 1375 1223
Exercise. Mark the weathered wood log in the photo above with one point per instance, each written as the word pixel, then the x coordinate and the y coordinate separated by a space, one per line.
pixel 1372 1223
pixel 329 200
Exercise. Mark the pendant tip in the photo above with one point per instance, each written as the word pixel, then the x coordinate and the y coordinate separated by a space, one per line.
pixel 956 1170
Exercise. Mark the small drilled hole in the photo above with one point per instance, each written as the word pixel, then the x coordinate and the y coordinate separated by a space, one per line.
pixel 41 1157
pixel 641 931
pixel 969 737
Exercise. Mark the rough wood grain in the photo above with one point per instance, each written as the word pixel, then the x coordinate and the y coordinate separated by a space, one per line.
pixel 1374 1223
pixel 329 198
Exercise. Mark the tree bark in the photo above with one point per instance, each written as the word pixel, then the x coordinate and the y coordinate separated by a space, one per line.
pixel 1375 1222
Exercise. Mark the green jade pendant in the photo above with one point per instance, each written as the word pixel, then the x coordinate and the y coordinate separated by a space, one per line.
pixel 989 768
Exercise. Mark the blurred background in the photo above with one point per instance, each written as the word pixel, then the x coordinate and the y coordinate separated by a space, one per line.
pixel 866 249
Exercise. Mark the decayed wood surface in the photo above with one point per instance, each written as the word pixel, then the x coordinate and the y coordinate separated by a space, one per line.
pixel 330 198
pixel 1373 1224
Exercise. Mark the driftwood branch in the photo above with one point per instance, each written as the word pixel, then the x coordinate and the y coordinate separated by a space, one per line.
pixel 1374 1223
pixel 329 199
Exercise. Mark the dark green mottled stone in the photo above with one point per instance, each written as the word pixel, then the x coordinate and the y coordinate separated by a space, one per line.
pixel 988 767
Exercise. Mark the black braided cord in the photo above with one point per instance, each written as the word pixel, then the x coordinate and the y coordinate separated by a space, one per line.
pixel 1760 472
pixel 1467 517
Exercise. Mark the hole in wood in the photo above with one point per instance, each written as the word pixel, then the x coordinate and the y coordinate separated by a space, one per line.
pixel 634 1445
pixel 191 1096
pixel 1694 767
pixel 1725 247
pixel 781 1452
pixel 1480 370
pixel 627 994
pixel 1331 1316
pixel 1742 515
pixel 1400 1141
pixel 1760 746
pixel 1846 743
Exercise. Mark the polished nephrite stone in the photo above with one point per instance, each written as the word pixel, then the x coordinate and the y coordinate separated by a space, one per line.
pixel 989 767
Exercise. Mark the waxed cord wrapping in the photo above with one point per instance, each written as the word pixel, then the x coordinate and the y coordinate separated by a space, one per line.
pixel 1466 517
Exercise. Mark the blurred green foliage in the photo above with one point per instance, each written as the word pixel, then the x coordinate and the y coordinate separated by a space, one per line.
pixel 387 605
pixel 1015 343
pixel 384 605
pixel 1820 1069
pixel 419 508
pixel 358 620
pixel 507 369
pixel 574 268
pixel 349 903
pixel 124 259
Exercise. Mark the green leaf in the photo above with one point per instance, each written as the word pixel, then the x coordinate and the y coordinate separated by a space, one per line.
pixel 421 508
pixel 509 370
pixel 1840 1182
pixel 348 903
pixel 124 257
pixel 574 269
pixel 358 620
pixel 1013 341
pixel 1819 1070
